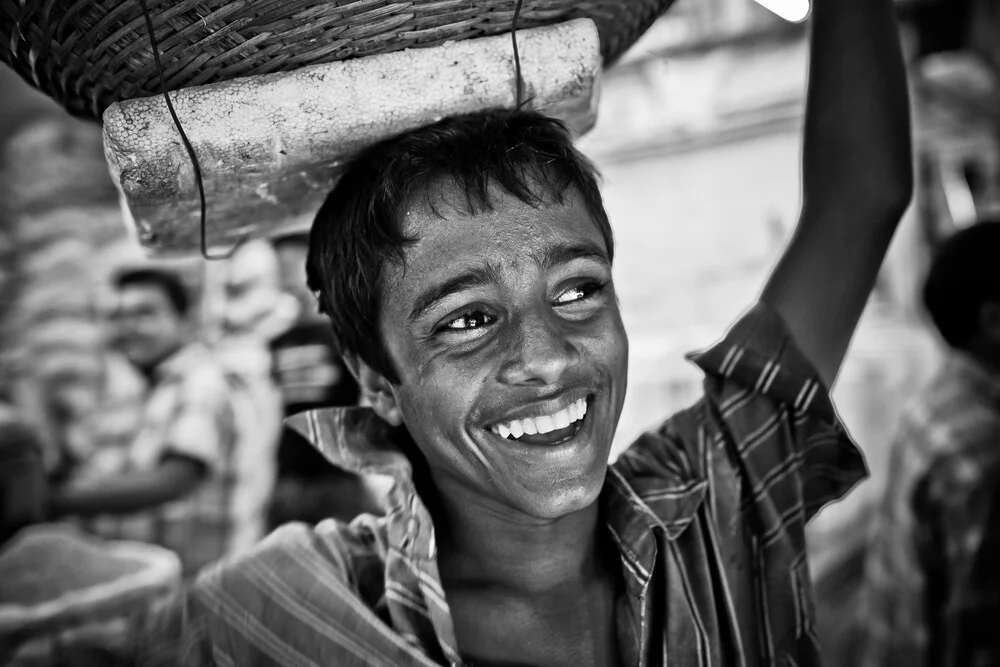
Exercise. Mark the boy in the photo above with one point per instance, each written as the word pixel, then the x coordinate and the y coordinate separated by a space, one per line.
pixel 466 268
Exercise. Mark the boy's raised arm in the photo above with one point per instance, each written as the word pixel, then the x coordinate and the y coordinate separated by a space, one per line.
pixel 857 177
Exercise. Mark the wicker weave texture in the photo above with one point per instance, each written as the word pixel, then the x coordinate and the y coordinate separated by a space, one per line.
pixel 87 54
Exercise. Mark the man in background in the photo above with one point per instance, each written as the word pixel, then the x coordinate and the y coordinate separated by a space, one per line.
pixel 192 479
pixel 932 592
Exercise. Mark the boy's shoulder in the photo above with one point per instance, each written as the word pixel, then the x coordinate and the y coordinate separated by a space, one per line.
pixel 296 586
pixel 303 594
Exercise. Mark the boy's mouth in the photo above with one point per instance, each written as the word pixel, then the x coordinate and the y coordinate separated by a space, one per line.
pixel 553 429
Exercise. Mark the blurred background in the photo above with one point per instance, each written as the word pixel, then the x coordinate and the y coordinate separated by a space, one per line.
pixel 698 139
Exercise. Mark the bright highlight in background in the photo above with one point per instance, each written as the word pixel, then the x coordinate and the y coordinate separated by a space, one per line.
pixel 790 10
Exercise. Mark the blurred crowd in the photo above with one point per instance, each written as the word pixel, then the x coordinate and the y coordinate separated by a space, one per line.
pixel 172 433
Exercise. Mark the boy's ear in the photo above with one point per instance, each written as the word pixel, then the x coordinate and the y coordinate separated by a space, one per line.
pixel 376 391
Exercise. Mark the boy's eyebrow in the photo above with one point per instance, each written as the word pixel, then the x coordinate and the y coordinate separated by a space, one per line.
pixel 563 253
pixel 475 277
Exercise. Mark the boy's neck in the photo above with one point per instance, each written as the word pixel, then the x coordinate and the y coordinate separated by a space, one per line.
pixel 481 546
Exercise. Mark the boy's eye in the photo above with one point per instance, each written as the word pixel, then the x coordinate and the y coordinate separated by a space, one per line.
pixel 467 321
pixel 579 293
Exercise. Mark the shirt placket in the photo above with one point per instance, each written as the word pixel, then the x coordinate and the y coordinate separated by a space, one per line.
pixel 420 545
pixel 636 610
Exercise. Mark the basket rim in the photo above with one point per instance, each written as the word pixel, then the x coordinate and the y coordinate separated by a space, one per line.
pixel 87 54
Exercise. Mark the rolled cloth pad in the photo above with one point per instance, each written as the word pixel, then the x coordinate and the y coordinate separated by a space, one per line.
pixel 272 146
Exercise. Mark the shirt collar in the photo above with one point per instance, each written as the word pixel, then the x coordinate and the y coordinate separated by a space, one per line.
pixel 355 439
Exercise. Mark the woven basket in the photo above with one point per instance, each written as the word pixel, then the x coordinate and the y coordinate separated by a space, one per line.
pixel 87 54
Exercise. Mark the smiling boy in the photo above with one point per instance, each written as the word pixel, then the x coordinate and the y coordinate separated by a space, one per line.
pixel 467 271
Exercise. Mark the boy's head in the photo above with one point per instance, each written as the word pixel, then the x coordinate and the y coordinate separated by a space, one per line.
pixel 151 316
pixel 466 269
pixel 962 291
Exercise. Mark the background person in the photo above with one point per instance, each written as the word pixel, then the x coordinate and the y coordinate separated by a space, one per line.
pixel 932 588
pixel 184 481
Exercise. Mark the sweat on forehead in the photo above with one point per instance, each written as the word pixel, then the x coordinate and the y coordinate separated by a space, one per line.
pixel 445 237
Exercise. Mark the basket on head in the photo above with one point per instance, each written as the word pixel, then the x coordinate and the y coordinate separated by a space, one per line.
pixel 87 54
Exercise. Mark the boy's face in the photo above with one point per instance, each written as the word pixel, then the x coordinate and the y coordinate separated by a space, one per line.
pixel 508 320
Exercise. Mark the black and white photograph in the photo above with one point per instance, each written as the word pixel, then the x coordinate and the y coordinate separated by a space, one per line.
pixel 500 333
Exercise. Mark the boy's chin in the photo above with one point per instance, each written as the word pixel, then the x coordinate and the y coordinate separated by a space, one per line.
pixel 554 501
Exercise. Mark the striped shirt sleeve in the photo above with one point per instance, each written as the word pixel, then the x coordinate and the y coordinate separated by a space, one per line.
pixel 768 403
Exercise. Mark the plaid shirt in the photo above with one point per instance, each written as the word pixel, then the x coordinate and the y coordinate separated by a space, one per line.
pixel 198 409
pixel 708 512
pixel 932 589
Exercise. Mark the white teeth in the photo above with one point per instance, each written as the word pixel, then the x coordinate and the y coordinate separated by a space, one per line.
pixel 572 413
pixel 545 424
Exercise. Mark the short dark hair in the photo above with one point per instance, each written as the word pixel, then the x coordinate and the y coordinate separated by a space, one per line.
pixel 359 228
pixel 964 275
pixel 171 285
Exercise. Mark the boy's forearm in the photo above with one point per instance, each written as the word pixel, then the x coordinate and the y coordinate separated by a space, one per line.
pixel 857 178
pixel 857 132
